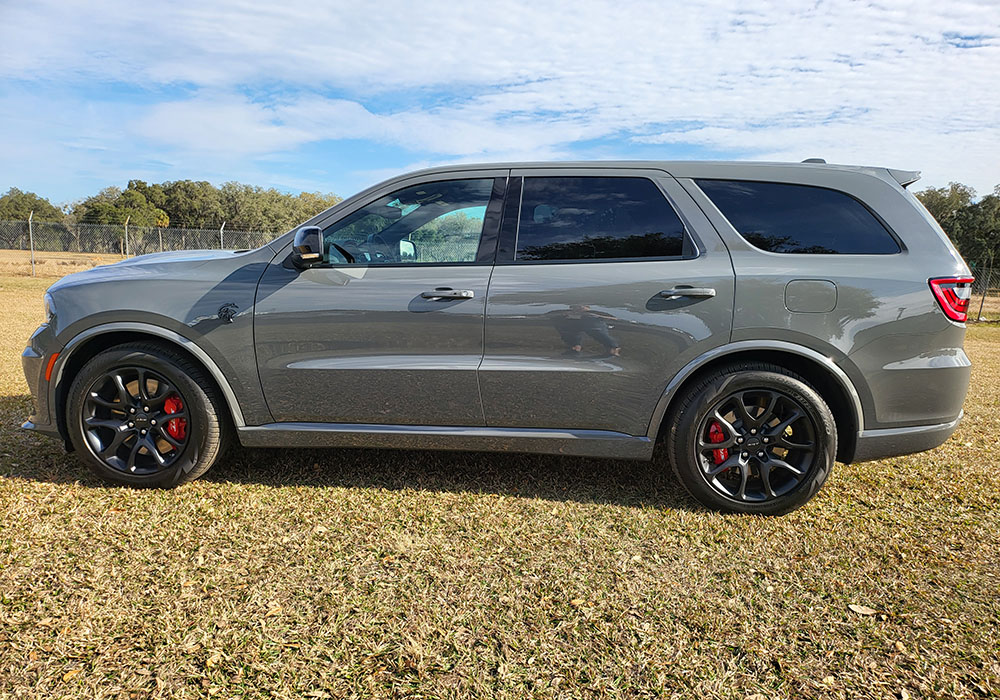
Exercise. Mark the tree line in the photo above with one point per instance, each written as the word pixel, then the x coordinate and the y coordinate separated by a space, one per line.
pixel 176 204
pixel 972 224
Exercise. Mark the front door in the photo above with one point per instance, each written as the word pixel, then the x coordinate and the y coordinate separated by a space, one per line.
pixel 389 329
pixel 601 293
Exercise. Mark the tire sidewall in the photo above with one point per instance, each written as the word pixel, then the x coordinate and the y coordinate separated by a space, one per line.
pixel 196 404
pixel 682 440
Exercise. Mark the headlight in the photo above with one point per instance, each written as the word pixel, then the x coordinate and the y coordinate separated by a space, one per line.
pixel 50 307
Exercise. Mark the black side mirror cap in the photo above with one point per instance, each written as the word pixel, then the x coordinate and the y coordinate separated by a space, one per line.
pixel 307 249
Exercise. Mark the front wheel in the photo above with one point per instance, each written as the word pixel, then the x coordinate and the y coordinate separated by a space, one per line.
pixel 752 438
pixel 143 415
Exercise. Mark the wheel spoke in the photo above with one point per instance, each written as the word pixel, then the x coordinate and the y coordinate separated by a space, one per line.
pixel 123 392
pixel 783 441
pixel 130 462
pixel 733 461
pixel 151 448
pixel 102 423
pixel 765 477
pixel 779 429
pixel 109 450
pixel 782 464
pixel 168 437
pixel 741 493
pixel 726 428
pixel 163 392
pixel 96 398
pixel 745 418
pixel 768 412
pixel 141 382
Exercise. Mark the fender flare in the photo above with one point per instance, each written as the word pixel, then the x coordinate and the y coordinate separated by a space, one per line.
pixel 176 338
pixel 827 363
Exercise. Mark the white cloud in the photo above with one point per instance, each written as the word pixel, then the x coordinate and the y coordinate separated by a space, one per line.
pixel 904 84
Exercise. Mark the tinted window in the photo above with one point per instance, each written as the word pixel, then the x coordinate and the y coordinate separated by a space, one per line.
pixel 784 218
pixel 433 222
pixel 583 218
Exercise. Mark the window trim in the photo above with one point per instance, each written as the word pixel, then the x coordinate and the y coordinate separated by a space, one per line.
pixel 507 250
pixel 487 239
pixel 901 247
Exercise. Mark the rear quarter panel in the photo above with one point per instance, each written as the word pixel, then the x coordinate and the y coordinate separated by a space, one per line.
pixel 886 330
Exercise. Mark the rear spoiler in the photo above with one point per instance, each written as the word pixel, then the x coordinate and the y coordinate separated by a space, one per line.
pixel 904 177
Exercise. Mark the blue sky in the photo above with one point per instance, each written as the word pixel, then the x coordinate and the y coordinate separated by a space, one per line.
pixel 334 96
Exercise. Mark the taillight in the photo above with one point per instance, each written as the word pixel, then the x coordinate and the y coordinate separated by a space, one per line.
pixel 953 294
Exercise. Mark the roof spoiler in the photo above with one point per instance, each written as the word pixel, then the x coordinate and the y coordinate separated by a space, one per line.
pixel 904 177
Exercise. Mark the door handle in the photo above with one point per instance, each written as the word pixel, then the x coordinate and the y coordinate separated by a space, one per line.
pixel 678 292
pixel 447 293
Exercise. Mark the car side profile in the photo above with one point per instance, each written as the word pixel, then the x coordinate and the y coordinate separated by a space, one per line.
pixel 749 323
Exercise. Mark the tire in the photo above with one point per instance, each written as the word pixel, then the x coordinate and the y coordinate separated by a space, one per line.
pixel 179 415
pixel 762 460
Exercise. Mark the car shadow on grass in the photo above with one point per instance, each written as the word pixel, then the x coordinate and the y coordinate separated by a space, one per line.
pixel 548 477
pixel 26 455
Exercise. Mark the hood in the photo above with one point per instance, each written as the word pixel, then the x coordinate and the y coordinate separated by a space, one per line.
pixel 175 256
pixel 176 265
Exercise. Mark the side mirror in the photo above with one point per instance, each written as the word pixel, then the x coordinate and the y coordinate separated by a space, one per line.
pixel 307 250
pixel 407 251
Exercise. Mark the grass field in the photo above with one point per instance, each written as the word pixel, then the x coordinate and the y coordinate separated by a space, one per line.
pixel 376 573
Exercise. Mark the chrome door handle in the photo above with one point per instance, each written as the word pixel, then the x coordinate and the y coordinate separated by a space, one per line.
pixel 444 293
pixel 678 292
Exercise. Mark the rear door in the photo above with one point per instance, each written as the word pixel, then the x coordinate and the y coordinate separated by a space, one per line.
pixel 389 329
pixel 607 282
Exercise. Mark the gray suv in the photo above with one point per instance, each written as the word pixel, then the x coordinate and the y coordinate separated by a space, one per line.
pixel 750 323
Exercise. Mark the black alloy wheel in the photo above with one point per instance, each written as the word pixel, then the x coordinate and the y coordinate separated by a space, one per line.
pixel 751 437
pixel 145 414
pixel 135 421
pixel 756 445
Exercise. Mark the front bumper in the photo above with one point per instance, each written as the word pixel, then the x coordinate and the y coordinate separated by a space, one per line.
pixel 34 360
pixel 895 442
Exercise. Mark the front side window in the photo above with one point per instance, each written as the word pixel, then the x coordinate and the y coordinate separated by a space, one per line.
pixel 588 218
pixel 434 222
pixel 785 218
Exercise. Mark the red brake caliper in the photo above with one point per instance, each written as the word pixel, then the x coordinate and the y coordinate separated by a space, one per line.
pixel 716 434
pixel 176 427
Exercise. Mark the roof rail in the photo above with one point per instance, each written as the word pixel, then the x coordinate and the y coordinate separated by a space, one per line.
pixel 814 160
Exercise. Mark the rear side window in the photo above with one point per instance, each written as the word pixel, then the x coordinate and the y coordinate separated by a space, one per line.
pixel 783 218
pixel 588 218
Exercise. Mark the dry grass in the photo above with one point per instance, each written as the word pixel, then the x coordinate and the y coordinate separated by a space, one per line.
pixel 17 263
pixel 378 573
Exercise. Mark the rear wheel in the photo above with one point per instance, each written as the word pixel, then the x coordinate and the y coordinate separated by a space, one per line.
pixel 752 438
pixel 144 415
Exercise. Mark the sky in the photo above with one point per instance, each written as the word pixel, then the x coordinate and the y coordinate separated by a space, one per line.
pixel 334 96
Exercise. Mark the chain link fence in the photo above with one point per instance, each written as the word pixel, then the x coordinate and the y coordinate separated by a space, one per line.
pixel 985 304
pixel 55 249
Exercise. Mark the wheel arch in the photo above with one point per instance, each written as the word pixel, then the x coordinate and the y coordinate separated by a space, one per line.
pixel 832 383
pixel 92 341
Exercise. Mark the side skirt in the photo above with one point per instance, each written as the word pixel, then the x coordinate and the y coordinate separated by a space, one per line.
pixel 581 443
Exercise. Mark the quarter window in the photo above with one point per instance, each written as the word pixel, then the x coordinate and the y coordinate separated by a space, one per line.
pixel 587 218
pixel 784 218
pixel 434 222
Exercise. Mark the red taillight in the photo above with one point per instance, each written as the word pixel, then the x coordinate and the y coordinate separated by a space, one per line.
pixel 953 294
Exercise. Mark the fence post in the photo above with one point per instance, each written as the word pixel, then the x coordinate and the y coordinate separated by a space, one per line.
pixel 31 241
pixel 221 243
pixel 986 288
pixel 160 231
pixel 126 235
